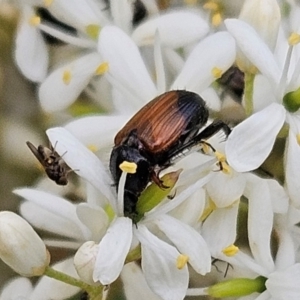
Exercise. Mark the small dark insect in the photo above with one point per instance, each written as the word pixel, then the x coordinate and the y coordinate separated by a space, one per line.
pixel 139 12
pixel 54 165
pixel 84 296
pixel 156 136
pixel 233 82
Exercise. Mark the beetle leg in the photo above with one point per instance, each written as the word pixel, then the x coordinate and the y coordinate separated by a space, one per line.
pixel 208 145
pixel 208 132
pixel 212 129
pixel 157 180
pixel 220 158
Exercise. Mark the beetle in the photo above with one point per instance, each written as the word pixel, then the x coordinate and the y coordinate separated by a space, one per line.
pixel 53 164
pixel 157 134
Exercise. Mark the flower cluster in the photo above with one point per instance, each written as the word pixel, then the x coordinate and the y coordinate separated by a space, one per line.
pixel 228 199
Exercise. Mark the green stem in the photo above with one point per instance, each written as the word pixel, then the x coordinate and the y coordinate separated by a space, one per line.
pixel 248 93
pixel 95 292
pixel 133 255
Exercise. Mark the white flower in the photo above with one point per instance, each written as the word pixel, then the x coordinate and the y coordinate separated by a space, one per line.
pixel 20 246
pixel 31 53
pixel 265 17
pixel 18 288
pixel 128 73
pixel 46 288
pixel 84 261
pixel 282 272
pixel 250 142
pixel 283 284
pixel 88 18
pixel 269 121
pixel 139 290
pixel 118 234
pixel 190 30
pixel 253 47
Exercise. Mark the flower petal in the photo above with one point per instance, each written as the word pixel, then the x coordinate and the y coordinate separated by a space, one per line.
pixel 292 169
pixel 159 266
pixel 265 17
pixel 88 129
pixel 165 208
pixel 64 85
pixel 52 213
pixel 16 288
pixel 140 289
pixel 214 52
pixel 250 142
pixel 122 13
pixel 188 241
pixel 254 48
pixel 285 284
pixel 260 220
pixel 159 65
pixel 263 93
pixel 18 240
pixel 94 218
pixel 80 14
pixel 126 67
pixel 190 29
pixel 81 160
pixel 31 52
pixel 279 197
pixel 190 210
pixel 113 250
pixel 225 189
pixel 286 254
pixel 219 229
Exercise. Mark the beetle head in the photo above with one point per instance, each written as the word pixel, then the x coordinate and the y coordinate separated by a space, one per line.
pixel 135 183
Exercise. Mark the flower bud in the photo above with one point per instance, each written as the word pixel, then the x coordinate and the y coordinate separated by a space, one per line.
pixel 20 246
pixel 153 194
pixel 237 287
pixel 84 262
pixel 264 16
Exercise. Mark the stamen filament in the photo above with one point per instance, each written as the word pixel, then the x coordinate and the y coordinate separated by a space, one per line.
pixel 121 186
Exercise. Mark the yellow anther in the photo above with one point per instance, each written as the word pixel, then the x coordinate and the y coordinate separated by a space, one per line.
pixel 298 138
pixel 48 3
pixel 226 168
pixel 294 39
pixel 211 5
pixel 220 156
pixel 92 31
pixel 230 250
pixel 205 148
pixel 128 167
pixel 102 68
pixel 181 261
pixel 93 148
pixel 216 19
pixel 216 72
pixel 35 20
pixel 67 76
